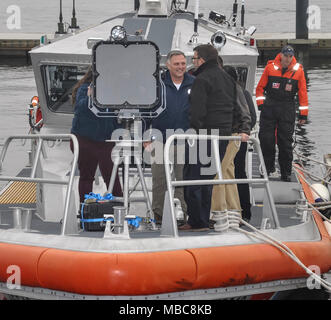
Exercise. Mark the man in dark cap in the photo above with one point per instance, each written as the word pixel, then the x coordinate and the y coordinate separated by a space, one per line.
pixel 281 80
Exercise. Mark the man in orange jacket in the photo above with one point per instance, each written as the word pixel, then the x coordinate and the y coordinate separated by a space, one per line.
pixel 281 80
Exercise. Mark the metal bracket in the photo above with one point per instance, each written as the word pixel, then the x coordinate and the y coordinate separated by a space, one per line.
pixel 267 218
pixel 265 224
pixel 168 222
pixel 108 234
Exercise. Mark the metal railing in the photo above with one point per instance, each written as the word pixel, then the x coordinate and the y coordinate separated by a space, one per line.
pixel 215 148
pixel 69 225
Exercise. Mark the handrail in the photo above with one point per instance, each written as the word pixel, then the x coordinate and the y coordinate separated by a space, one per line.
pixel 67 228
pixel 171 184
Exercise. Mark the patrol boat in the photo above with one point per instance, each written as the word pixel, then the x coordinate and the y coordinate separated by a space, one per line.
pixel 46 254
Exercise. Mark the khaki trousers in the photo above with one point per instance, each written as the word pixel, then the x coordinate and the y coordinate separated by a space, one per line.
pixel 226 197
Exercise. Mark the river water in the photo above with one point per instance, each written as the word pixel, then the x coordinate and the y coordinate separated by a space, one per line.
pixel 17 84
pixel 266 15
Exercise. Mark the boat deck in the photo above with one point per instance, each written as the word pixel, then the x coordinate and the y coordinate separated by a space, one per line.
pixel 275 176
pixel 286 214
pixel 23 195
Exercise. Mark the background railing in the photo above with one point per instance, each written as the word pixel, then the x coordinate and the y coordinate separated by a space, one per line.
pixel 69 225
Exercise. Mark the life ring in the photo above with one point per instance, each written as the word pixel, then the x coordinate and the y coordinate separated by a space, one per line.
pixel 35 115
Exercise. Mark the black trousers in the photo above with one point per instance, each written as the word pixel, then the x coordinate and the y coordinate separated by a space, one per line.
pixel 277 123
pixel 243 189
pixel 91 155
pixel 198 198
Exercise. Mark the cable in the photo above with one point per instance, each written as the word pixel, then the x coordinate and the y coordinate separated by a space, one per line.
pixel 231 220
pixel 305 180
pixel 311 175
pixel 319 213
pixel 312 159
pixel 282 247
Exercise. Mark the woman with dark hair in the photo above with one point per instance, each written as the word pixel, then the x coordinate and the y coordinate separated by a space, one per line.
pixel 91 132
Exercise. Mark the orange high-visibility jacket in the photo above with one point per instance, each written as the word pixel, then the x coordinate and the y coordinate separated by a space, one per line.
pixel 283 87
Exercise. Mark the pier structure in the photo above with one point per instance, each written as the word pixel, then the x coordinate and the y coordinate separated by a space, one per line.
pixel 317 45
pixel 306 44
pixel 18 45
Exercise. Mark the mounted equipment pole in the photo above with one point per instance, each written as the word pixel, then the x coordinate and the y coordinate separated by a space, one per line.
pixel 74 19
pixel 242 13
pixel 234 13
pixel 60 25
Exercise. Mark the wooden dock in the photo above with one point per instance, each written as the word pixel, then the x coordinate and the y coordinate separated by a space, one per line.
pixel 18 45
pixel 317 46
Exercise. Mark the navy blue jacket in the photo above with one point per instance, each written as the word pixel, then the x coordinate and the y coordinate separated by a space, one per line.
pixel 86 124
pixel 176 114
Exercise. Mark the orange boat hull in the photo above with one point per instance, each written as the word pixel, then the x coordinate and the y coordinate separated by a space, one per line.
pixel 161 272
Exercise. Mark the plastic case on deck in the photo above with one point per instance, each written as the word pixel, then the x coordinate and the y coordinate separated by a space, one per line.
pixel 95 212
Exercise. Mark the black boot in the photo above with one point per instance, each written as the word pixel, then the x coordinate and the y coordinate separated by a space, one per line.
pixel 285 178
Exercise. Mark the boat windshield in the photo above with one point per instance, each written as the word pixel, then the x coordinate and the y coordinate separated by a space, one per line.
pixel 59 81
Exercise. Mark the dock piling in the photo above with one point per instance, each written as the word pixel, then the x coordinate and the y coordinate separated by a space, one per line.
pixel 301 31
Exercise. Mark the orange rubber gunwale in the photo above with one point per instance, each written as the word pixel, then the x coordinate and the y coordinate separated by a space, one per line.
pixel 160 272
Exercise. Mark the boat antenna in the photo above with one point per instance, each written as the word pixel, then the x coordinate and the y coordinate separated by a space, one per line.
pixel 196 17
pixel 186 4
pixel 234 14
pixel 73 19
pixel 243 13
pixel 194 38
pixel 136 5
pixel 60 25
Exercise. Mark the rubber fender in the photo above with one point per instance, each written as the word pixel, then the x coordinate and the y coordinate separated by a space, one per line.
pixel 320 192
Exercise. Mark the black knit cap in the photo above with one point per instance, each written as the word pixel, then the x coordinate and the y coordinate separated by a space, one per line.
pixel 288 50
